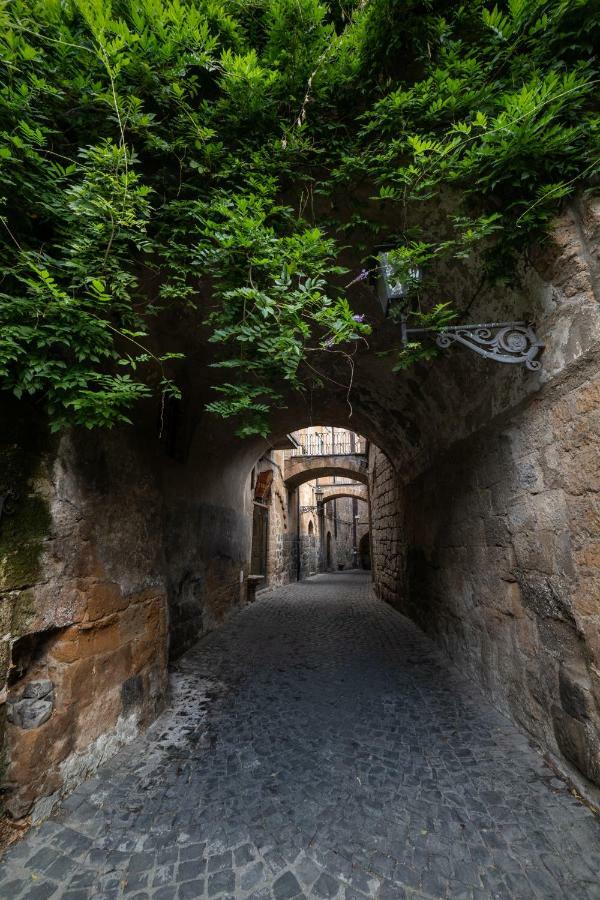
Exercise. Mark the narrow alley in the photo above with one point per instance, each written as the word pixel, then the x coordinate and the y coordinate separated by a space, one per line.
pixel 317 745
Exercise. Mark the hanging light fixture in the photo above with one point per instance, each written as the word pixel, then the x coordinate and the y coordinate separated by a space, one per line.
pixel 390 286
pixel 503 342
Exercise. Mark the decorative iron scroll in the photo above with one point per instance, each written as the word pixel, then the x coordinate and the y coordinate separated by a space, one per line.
pixel 505 342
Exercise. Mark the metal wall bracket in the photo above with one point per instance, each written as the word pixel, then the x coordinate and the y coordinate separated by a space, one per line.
pixel 505 342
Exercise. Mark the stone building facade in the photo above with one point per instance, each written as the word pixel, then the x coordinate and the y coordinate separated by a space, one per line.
pixel 314 526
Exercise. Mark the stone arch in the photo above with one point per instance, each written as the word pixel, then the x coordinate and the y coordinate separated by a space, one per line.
pixel 300 469
pixel 335 492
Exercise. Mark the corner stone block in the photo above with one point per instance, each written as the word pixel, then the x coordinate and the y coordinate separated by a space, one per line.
pixel 579 742
pixel 34 706
pixel 29 713
pixel 37 690
pixel 575 693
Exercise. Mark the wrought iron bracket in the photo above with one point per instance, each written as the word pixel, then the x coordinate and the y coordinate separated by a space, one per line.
pixel 514 343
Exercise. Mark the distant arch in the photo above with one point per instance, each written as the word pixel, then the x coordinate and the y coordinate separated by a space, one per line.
pixel 336 492
pixel 300 469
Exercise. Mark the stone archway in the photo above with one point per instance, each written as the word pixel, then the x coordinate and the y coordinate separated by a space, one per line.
pixel 337 492
pixel 300 469
pixel 484 525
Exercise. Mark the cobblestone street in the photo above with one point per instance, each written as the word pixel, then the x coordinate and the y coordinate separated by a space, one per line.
pixel 317 746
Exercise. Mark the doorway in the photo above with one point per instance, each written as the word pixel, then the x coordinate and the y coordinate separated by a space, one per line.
pixel 260 540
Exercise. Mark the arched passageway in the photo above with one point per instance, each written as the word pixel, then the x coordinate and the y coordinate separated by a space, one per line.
pixel 121 549
pixel 300 469
pixel 331 492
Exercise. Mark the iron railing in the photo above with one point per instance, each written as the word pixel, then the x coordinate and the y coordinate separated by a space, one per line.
pixel 324 443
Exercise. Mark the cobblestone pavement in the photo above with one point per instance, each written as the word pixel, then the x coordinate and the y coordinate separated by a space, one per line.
pixel 317 746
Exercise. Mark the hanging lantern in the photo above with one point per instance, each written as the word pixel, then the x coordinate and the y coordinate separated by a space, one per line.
pixel 390 286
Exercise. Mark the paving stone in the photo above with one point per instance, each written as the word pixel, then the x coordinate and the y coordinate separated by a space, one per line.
pixel 317 745
pixel 61 869
pixel 11 888
pixel 307 870
pixel 192 852
pixel 135 883
pixel 326 886
pixel 221 882
pixel 389 891
pixel 41 891
pixel 220 861
pixel 286 887
pixel 252 876
pixel 192 869
pixel 244 855
pixel 165 893
pixel 42 859
pixel 191 890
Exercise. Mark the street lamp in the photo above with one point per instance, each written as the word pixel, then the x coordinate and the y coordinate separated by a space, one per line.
pixel 504 342
pixel 389 285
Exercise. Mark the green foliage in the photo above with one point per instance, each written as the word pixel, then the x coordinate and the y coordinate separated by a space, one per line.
pixel 499 122
pixel 164 153
pixel 434 320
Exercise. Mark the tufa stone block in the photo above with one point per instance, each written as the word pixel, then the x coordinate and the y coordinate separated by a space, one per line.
pixel 37 690
pixel 575 694
pixel 29 713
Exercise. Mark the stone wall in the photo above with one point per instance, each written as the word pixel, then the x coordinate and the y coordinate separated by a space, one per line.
pixel 282 561
pixel 83 608
pixel 388 550
pixel 503 547
pixel 309 549
pixel 491 542
pixel 339 522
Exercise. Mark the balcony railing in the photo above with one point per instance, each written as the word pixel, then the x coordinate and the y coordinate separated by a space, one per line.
pixel 325 444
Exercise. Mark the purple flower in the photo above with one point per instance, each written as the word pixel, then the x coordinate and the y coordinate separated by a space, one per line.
pixel 329 342
pixel 359 318
pixel 360 277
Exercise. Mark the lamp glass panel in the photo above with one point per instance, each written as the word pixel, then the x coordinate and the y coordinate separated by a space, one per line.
pixel 394 288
